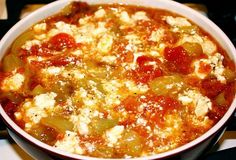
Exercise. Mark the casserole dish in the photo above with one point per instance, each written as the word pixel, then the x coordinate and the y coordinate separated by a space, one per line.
pixel 192 148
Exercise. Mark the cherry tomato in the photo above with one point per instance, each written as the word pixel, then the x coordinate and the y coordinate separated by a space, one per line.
pixel 178 60
pixel 212 87
pixel 61 41
pixel 148 69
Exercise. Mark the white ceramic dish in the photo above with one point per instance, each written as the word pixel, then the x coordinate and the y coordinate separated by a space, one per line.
pixel 190 150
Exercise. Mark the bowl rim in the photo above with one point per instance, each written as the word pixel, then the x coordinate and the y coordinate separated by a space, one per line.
pixel 192 16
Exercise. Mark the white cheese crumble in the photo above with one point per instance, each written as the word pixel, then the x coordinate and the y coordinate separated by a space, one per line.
pixel 133 39
pixel 53 70
pixel 45 101
pixel 40 27
pixel 13 83
pixel 154 53
pixel 112 88
pixel 77 52
pixel 217 68
pixel 99 13
pixel 90 147
pixel 131 20
pixel 208 46
pixel 28 44
pixel 66 28
pixel 177 21
pixel 89 99
pixel 105 43
pixel 99 30
pixel 201 103
pixel 140 15
pixel 124 17
pixel 35 58
pixel 37 109
pixel 113 135
pixel 140 88
pixel 41 37
pixel 109 59
pixel 157 35
pixel 84 20
pixel 141 121
pixel 70 143
pixel 82 120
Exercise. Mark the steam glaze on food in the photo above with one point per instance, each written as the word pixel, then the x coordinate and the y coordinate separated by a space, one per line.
pixel 116 81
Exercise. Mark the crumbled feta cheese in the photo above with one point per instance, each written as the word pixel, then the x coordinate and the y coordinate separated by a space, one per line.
pixel 208 46
pixel 217 68
pixel 112 86
pixel 100 13
pixel 30 43
pixel 41 37
pixel 112 99
pixel 35 58
pixel 124 17
pixel 133 39
pixel 141 121
pixel 40 27
pixel 53 70
pixel 154 53
pixel 77 52
pixel 140 88
pixel 88 99
pixel 105 43
pixel 157 35
pixel 45 101
pixel 84 20
pixel 35 114
pixel 201 103
pixel 173 124
pixel 177 21
pixel 114 134
pixel 192 39
pixel 13 83
pixel 37 109
pixel 100 30
pixel 52 32
pixel 70 143
pixel 90 147
pixel 66 28
pixel 83 38
pixel 62 27
pixel 109 59
pixel 140 15
pixel 82 120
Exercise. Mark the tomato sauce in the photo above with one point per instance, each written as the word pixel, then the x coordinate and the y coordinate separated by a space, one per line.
pixel 116 81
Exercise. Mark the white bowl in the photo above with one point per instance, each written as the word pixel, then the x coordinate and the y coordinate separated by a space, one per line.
pixel 190 150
